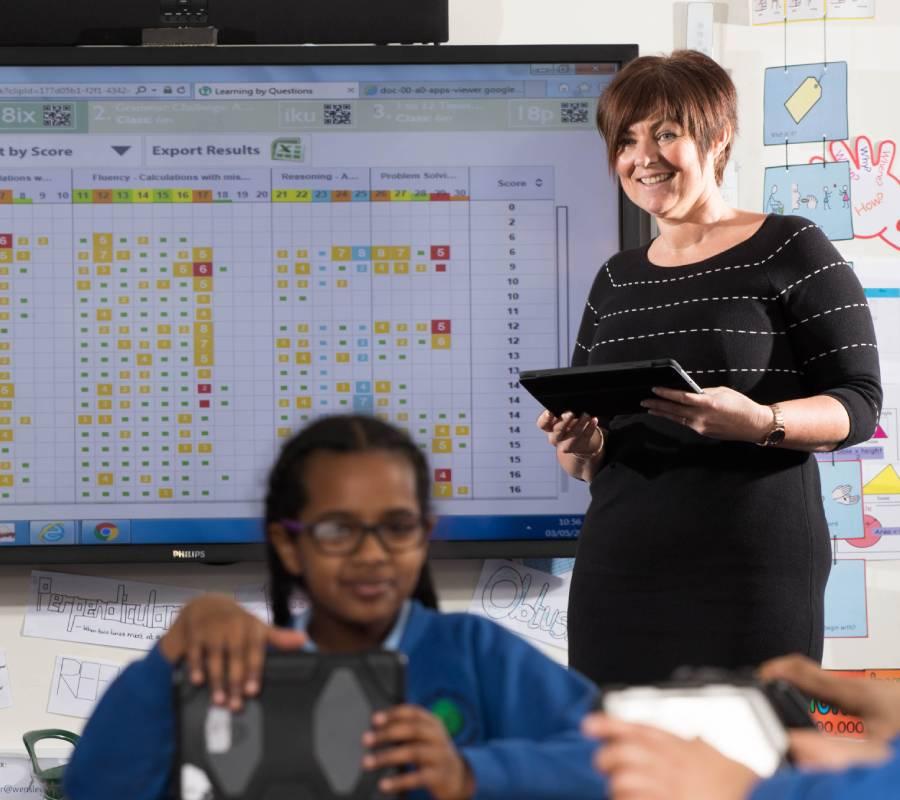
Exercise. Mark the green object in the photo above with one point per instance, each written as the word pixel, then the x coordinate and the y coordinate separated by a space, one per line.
pixel 450 714
pixel 50 778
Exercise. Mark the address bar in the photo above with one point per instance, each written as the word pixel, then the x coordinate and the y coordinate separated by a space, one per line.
pixel 90 91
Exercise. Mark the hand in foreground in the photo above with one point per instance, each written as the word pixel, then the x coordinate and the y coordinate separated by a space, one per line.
pixel 877 702
pixel 814 750
pixel 225 645
pixel 647 763
pixel 580 436
pixel 411 736
pixel 719 412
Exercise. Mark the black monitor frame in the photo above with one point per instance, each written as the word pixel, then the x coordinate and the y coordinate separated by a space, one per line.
pixel 634 231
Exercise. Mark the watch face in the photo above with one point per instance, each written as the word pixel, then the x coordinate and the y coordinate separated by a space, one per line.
pixel 775 437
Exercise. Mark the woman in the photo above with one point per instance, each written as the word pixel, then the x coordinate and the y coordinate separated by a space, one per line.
pixel 699 546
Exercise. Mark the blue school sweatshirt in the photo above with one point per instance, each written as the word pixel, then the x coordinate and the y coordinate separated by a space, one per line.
pixel 519 717
pixel 876 782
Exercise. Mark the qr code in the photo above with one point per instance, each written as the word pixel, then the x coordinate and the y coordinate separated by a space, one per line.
pixel 58 115
pixel 338 114
pixel 574 113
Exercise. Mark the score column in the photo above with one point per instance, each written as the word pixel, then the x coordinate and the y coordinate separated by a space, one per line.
pixel 514 326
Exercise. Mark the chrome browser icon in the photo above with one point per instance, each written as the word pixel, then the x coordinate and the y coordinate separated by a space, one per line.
pixel 106 531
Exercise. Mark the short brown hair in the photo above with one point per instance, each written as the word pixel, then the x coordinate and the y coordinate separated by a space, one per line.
pixel 686 87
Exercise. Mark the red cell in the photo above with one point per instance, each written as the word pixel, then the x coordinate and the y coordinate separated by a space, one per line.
pixel 440 267
pixel 204 404
pixel 5 240
pixel 440 326
pixel 204 388
pixel 443 476
pixel 202 269
pixel 440 251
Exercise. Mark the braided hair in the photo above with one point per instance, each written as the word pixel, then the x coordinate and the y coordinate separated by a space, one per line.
pixel 286 495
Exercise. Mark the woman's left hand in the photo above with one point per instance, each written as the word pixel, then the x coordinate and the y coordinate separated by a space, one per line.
pixel 719 412
pixel 410 736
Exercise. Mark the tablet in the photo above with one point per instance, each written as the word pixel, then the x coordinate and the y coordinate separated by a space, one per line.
pixel 604 390
pixel 301 737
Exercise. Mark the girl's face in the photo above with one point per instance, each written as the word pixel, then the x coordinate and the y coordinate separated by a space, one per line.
pixel 661 171
pixel 367 586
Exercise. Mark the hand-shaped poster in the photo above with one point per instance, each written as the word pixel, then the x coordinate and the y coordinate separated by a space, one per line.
pixel 874 188
pixel 820 192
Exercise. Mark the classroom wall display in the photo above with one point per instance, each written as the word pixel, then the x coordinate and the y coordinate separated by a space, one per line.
pixel 875 189
pixel 770 12
pixel 819 192
pixel 805 103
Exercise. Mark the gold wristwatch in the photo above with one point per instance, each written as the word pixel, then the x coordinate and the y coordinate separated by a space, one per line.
pixel 775 436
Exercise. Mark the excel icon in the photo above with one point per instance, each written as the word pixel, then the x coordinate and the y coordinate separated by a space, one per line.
pixel 287 150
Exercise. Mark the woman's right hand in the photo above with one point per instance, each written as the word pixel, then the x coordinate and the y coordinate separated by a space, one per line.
pixel 224 645
pixel 579 442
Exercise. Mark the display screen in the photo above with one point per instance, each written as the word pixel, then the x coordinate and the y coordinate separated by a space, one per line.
pixel 196 259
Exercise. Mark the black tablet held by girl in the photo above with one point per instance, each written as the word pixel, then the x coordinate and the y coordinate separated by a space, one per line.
pixel 604 390
pixel 300 738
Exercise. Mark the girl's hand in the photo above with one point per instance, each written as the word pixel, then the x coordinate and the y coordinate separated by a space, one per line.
pixel 581 437
pixel 225 645
pixel 647 763
pixel 411 736
pixel 813 750
pixel 719 412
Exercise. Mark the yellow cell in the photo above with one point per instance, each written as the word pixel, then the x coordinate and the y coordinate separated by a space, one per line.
pixel 182 269
pixel 145 285
pixel 303 327
pixel 303 358
pixel 301 268
pixel 401 268
pixel 203 254
pixel 144 374
pixel 203 329
pixel 281 269
pixel 124 301
pixel 381 253
pixel 5 420
pixel 145 479
pixel 282 343
pixel 144 359
pixel 282 254
pixel 283 358
pixel 5 256
pixel 6 405
pixel 124 344
pixel 22 241
pixel 7 480
pixel 85 419
pixel 104 269
pixel 163 284
pixel 80 271
pixel 102 239
pixel 421 326
pixel 402 327
pixel 104 479
pixel 4 346
pixel 283 433
pixel 104 419
pixel 303 284
pixel 203 314
pixel 6 465
pixel 203 284
pixel 462 490
pixel 7 390
pixel 125 375
pixel 443 490
pixel 462 430
pixel 4 301
pixel 102 255
pixel 341 283
pixel 302 344
pixel 203 299
pixel 382 387
pixel 104 314
pixel 203 359
pixel 284 402
pixel 124 404
pixel 204 447
pixel 282 284
pixel 340 253
pixel 23 255
pixel 301 253
pixel 104 389
pixel 124 390
pixel 400 253
pixel 124 434
pixel 123 255
pixel 421 268
pixel 441 445
pixel 304 402
pixel 382 326
pixel 204 373
pixel 143 240
pixel 184 330
pixel 403 416
pixel 381 267
pixel 440 341
pixel 43 241
pixel 4 286
pixel 144 390
pixel 123 330
pixel 165 494
pixel 342 358
pixel 442 431
pixel 163 330
pixel 185 448
pixel 341 386
pixel 402 342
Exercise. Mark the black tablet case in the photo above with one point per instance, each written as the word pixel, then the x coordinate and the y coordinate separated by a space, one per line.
pixel 602 391
pixel 299 739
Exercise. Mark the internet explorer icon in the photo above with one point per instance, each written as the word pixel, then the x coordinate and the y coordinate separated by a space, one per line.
pixel 106 531
pixel 52 532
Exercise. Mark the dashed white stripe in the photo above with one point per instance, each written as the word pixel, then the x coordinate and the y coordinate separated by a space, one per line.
pixel 744 369
pixel 829 311
pixel 676 333
pixel 812 275
pixel 709 271
pixel 726 298
pixel 838 350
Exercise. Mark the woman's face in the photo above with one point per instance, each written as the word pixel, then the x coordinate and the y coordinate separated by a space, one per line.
pixel 661 171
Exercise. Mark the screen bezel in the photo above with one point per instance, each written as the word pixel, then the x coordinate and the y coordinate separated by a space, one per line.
pixel 634 230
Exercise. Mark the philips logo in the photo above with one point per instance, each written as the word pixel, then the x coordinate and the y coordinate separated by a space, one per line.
pixel 189 554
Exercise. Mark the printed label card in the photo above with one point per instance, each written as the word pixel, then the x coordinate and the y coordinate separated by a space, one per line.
pixel 819 192
pixel 805 103
pixel 766 12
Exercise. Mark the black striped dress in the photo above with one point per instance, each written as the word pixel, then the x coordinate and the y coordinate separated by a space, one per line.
pixel 696 551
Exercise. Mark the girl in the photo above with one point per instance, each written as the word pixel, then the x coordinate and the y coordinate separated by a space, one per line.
pixel 488 716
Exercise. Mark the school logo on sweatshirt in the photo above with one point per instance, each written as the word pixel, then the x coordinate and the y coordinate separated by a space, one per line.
pixel 457 715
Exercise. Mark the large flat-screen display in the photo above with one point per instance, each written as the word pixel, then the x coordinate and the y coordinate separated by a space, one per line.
pixel 202 250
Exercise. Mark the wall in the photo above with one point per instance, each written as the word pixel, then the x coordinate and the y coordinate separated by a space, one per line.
pixel 657 26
